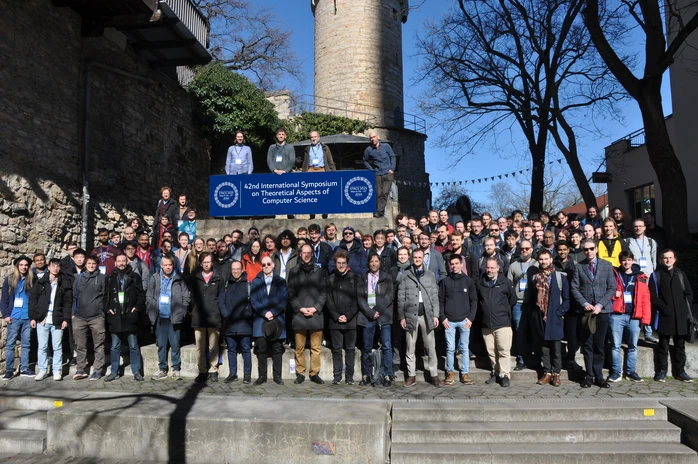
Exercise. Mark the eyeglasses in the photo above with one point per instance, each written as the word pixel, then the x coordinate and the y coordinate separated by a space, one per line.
pixel 525 248
pixel 589 249
pixel 348 233
pixel 267 264
pixel 494 230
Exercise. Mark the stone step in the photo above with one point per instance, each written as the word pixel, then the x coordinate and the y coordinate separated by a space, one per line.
pixel 536 432
pixel 529 412
pixel 559 453
pixel 22 419
pixel 23 441
pixel 26 403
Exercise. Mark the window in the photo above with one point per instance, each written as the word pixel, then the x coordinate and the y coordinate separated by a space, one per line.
pixel 641 200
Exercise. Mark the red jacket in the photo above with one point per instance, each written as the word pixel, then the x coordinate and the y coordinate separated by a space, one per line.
pixel 641 298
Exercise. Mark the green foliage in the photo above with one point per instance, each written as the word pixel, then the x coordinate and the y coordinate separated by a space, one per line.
pixel 298 127
pixel 228 102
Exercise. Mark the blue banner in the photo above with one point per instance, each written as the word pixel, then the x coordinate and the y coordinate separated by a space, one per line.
pixel 293 193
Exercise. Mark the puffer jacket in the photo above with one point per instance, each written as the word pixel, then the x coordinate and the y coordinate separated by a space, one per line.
pixel 642 304
pixel 408 288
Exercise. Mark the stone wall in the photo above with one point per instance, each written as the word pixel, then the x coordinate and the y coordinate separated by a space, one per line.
pixel 141 133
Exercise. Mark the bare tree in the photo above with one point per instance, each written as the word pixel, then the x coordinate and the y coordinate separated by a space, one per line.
pixel 449 194
pixel 646 90
pixel 252 41
pixel 496 64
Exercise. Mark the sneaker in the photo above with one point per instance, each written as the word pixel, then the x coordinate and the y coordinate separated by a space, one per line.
pixel 138 378
pixel 365 380
pixel 350 381
pixel 465 379
pixel 247 379
pixel 651 339
pixel 336 381
pixel 450 378
pixel 176 375
pixel 505 382
pixel 96 376
pixel 213 377
pixel 231 378
pixel 57 376
pixel 660 377
pixel 8 376
pixel 684 377
pixel 41 376
pixel 614 377
pixel 633 377
pixel 111 377
pixel 27 373
pixel 160 375
pixel 491 380
pixel 387 381
pixel 79 375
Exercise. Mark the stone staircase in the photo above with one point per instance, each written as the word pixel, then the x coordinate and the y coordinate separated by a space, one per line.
pixel 23 424
pixel 562 432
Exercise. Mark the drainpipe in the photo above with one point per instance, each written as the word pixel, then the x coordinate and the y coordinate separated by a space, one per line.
pixel 88 132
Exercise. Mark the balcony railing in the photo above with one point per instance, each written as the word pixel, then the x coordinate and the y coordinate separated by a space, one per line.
pixel 190 16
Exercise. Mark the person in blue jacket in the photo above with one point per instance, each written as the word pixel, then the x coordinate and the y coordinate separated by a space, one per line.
pixel 239 158
pixel 14 305
pixel 358 258
pixel 269 298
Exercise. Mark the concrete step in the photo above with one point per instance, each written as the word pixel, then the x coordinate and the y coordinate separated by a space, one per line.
pixel 22 419
pixel 639 410
pixel 559 453
pixel 536 432
pixel 27 403
pixel 23 441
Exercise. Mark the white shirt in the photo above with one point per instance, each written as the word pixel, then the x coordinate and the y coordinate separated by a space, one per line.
pixel 49 315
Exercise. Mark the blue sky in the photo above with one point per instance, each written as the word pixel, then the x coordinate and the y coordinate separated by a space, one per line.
pixel 297 14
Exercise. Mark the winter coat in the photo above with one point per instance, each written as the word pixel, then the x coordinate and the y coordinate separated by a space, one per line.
pixel 346 296
pixel 436 264
pixel 275 301
pixel 171 210
pixel 671 301
pixel 328 161
pixel 90 288
pixel 290 264
pixel 180 298
pixel 384 300
pixel 124 319
pixel 478 264
pixel 408 290
pixel 495 302
pixel 516 272
pixel 609 250
pixel 642 302
pixel 388 257
pixel 40 297
pixel 234 306
pixel 322 255
pixel 357 260
pixel 222 267
pixel 553 329
pixel 307 288
pixel 204 301
pixel 251 268
pixel 156 259
pixel 458 298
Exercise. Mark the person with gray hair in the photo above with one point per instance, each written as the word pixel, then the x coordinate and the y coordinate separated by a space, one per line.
pixel 379 158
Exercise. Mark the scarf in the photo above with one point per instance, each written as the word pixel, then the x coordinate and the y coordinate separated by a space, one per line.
pixel 306 267
pixel 543 290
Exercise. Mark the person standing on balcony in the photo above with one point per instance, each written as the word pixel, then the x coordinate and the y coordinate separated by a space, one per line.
pixel 281 157
pixel 239 159
pixel 317 158
pixel 379 157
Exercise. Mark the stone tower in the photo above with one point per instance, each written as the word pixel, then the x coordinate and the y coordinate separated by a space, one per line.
pixel 358 74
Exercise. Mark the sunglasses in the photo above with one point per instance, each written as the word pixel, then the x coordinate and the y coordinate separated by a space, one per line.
pixel 494 230
pixel 348 233
pixel 590 249
pixel 525 248
pixel 267 265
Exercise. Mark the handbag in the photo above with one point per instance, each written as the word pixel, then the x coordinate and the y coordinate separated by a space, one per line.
pixel 692 330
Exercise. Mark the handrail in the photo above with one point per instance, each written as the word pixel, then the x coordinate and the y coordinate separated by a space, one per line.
pixel 192 18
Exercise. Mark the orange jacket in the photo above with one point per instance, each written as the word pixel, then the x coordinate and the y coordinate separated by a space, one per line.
pixel 251 268
pixel 641 298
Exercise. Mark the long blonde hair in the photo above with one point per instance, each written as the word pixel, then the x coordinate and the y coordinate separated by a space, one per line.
pixel 191 261
pixel 14 279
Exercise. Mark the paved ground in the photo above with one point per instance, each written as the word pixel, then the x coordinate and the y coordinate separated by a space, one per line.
pixel 55 459
pixel 421 391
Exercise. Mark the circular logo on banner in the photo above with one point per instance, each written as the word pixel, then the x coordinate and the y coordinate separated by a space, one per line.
pixel 358 190
pixel 226 195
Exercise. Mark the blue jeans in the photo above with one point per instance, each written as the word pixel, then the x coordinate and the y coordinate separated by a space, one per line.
pixel 619 324
pixel 134 351
pixel 463 341
pixel 518 321
pixel 167 334
pixel 17 329
pixel 42 333
pixel 245 344
pixel 386 348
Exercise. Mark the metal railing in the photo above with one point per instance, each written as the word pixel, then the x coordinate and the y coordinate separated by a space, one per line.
pixel 192 19
pixel 637 138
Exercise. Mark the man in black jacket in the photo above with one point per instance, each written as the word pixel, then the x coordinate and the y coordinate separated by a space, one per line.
pixel 206 316
pixel 458 301
pixel 496 297
pixel 125 301
pixel 307 296
pixel 236 313
pixel 387 255
pixel 90 295
pixel 50 302
pixel 321 251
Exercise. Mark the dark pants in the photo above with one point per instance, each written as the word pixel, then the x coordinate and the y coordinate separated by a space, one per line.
pixel 386 348
pixel 168 333
pixel 550 352
pixel 244 342
pixel 678 361
pixel 383 184
pixel 134 351
pixel 593 346
pixel 277 353
pixel 573 323
pixel 80 331
pixel 343 338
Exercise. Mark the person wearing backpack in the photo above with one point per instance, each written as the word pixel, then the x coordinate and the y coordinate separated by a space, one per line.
pixel 236 312
pixel 645 251
pixel 671 296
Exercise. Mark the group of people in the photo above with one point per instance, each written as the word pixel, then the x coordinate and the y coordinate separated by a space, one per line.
pixel 496 288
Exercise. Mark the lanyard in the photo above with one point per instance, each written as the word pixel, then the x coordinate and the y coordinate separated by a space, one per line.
pixel 375 282
pixel 315 151
pixel 630 283
pixel 238 152
pixel 316 252
pixel 284 261
pixel 427 258
pixel 102 254
pixel 280 149
pixel 523 271
pixel 642 250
